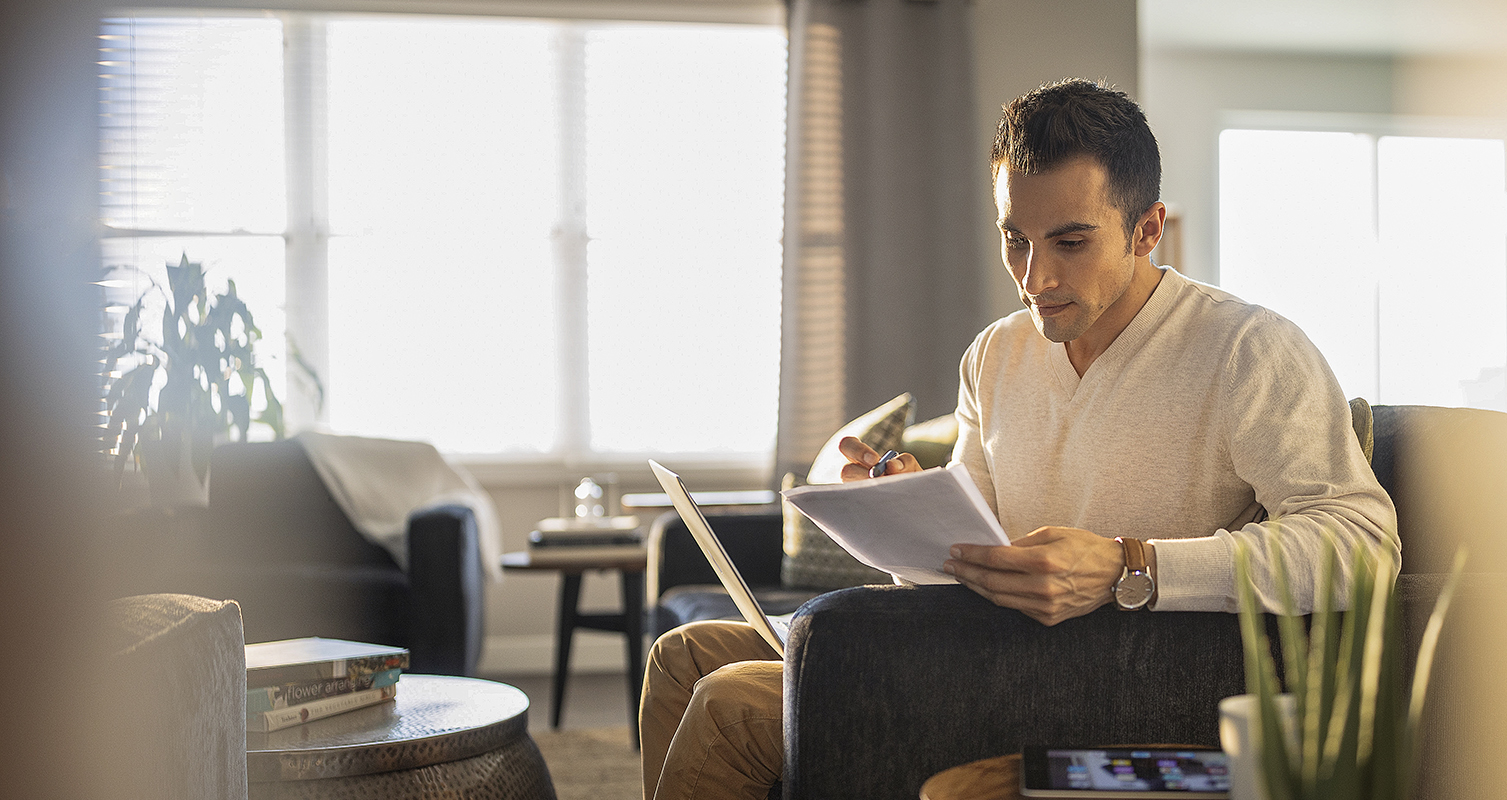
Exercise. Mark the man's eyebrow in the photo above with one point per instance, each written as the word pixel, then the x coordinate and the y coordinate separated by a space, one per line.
pixel 1061 230
pixel 1071 227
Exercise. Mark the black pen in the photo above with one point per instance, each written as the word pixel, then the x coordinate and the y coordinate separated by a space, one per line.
pixel 884 461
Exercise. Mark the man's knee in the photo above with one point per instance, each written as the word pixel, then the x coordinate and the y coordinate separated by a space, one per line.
pixel 745 692
pixel 702 647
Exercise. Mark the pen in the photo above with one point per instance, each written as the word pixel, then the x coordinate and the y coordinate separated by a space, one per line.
pixel 884 461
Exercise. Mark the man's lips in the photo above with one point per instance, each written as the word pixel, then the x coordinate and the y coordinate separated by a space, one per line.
pixel 1050 309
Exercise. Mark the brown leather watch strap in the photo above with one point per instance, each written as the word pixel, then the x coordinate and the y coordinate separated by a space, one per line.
pixel 1135 553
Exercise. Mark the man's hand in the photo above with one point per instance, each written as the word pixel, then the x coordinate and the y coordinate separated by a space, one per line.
pixel 1051 575
pixel 862 458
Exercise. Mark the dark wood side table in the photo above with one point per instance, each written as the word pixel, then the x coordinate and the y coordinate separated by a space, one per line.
pixel 572 562
pixel 995 778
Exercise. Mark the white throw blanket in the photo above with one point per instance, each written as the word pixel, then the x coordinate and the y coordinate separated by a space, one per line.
pixel 379 483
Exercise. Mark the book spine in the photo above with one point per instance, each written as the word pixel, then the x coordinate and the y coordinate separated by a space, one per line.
pixel 268 721
pixel 323 670
pixel 270 698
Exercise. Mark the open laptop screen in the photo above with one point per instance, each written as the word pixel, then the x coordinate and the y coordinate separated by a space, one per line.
pixel 731 579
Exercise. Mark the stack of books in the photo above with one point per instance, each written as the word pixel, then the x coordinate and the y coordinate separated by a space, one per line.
pixel 294 681
pixel 587 532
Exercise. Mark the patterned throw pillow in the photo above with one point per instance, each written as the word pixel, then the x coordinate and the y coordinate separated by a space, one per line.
pixel 1361 419
pixel 931 441
pixel 812 560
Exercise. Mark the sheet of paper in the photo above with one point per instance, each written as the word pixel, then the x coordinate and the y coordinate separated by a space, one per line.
pixel 903 524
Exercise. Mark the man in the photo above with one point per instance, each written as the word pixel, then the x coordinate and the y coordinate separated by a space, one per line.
pixel 1128 428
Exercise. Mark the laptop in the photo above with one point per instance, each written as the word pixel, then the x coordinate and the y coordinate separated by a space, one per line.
pixel 775 630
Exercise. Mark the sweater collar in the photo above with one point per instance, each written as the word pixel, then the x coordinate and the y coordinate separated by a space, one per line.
pixel 1141 327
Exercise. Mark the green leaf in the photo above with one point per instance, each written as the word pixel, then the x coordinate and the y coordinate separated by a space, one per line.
pixel 1261 681
pixel 1372 652
pixel 1410 748
pixel 1289 626
pixel 1339 771
pixel 1322 653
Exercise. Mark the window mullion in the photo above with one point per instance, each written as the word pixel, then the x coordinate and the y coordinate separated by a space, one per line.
pixel 570 248
pixel 308 232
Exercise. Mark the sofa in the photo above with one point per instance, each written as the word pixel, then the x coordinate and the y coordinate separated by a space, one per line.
pixel 274 539
pixel 961 679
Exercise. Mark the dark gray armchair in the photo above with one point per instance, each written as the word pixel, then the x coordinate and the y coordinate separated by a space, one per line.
pixel 274 540
pixel 885 686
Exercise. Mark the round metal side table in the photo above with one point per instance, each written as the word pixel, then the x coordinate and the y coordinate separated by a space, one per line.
pixel 440 737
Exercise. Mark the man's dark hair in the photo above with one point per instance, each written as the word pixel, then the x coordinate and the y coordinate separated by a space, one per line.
pixel 1076 117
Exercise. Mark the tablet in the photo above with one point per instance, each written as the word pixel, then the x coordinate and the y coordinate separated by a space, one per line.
pixel 1122 772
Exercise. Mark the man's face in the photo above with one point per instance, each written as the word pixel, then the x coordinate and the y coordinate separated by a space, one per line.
pixel 1065 245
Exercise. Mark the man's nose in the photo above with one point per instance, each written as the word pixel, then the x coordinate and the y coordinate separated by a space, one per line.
pixel 1041 274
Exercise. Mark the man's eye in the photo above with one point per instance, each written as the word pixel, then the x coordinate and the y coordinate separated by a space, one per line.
pixel 1015 242
pixel 1070 243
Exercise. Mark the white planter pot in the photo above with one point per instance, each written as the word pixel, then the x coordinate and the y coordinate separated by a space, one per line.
pixel 1240 737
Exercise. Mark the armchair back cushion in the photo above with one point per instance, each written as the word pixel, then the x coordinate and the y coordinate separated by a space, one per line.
pixel 812 559
pixel 1444 468
pixel 177 696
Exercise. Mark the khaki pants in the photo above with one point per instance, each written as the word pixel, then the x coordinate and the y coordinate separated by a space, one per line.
pixel 710 718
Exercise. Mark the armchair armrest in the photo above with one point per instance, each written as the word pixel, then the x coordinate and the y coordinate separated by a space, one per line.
pixel 446 585
pixel 754 542
pixel 886 686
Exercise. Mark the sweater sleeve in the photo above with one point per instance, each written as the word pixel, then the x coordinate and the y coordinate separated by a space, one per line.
pixel 1289 434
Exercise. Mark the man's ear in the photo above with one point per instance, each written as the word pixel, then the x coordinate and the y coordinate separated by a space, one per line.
pixel 1149 230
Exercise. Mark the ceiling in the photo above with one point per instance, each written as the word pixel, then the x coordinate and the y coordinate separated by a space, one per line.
pixel 1377 27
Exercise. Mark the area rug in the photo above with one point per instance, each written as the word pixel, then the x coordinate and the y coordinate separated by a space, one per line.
pixel 592 763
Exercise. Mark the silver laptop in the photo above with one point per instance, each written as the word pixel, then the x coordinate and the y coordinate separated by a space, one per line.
pixel 775 630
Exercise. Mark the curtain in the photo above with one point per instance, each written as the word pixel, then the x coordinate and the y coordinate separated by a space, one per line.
pixel 883 282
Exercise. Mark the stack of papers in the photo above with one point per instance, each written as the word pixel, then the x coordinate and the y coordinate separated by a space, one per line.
pixel 903 524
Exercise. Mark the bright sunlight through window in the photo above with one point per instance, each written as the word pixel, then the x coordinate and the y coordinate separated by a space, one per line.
pixel 1389 251
pixel 502 235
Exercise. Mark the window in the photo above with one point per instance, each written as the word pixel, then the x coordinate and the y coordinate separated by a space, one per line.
pixel 1388 247
pixel 537 238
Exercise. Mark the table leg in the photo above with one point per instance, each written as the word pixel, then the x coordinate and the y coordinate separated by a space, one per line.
pixel 570 597
pixel 633 631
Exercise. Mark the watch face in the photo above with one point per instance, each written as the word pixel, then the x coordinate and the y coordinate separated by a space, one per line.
pixel 1133 590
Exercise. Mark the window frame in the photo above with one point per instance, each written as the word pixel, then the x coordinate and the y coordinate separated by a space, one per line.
pixel 1374 125
pixel 308 230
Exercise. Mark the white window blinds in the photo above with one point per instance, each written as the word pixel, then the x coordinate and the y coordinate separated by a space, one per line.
pixel 499 235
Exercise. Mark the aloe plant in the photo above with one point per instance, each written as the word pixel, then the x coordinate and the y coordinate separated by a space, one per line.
pixel 206 353
pixel 1357 733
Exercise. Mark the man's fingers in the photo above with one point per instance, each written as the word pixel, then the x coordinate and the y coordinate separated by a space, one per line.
pixel 905 462
pixel 854 472
pixel 995 556
pixel 861 458
pixel 857 452
pixel 1046 610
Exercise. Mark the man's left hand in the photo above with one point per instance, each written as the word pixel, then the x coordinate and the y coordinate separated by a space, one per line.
pixel 1051 575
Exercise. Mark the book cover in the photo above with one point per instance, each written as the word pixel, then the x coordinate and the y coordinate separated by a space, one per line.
pixel 583 538
pixel 269 721
pixel 315 659
pixel 269 698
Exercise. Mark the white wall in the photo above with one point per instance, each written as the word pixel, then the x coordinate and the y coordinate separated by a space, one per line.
pixel 1021 44
pixel 1185 93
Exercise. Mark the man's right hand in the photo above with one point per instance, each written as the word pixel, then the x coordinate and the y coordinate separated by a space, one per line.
pixel 862 458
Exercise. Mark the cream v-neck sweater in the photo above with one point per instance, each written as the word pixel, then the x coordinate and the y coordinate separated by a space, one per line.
pixel 1204 410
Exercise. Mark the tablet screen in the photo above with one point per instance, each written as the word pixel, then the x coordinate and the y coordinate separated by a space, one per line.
pixel 1141 772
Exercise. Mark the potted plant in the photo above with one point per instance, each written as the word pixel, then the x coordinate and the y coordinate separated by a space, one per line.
pixel 1344 729
pixel 206 357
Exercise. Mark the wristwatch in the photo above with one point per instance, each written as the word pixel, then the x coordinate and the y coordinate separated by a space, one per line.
pixel 1134 588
